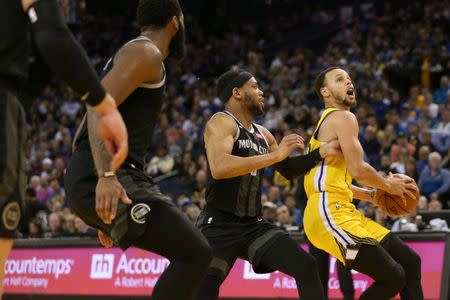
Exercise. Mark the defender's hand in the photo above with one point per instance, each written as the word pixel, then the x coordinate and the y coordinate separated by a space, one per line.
pixel 107 195
pixel 112 130
pixel 287 144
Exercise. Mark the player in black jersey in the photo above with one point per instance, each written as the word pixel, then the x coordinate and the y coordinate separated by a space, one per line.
pixel 136 78
pixel 237 151
pixel 65 56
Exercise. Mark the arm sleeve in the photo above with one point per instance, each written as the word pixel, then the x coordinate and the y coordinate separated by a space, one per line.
pixel 299 165
pixel 62 52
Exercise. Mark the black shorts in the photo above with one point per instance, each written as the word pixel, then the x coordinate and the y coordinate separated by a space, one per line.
pixel 131 221
pixel 12 162
pixel 233 237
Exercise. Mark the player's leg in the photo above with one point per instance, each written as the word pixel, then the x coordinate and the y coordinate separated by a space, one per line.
pixel 345 281
pixel 323 263
pixel 285 255
pixel 221 264
pixel 389 276
pixel 12 172
pixel 410 262
pixel 224 238
pixel 170 234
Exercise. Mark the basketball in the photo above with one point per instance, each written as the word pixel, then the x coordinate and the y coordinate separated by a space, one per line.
pixel 393 206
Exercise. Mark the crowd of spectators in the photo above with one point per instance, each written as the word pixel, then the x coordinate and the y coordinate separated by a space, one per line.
pixel 398 59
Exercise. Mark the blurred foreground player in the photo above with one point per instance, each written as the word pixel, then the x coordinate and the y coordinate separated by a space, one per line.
pixel 136 78
pixel 331 221
pixel 238 150
pixel 65 57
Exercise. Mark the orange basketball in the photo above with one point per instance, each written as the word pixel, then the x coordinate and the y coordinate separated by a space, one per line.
pixel 393 206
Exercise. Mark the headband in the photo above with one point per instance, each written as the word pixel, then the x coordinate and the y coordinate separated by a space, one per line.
pixel 237 81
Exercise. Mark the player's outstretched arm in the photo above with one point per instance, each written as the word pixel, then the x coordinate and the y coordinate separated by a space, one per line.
pixel 296 166
pixel 68 60
pixel 219 139
pixel 346 127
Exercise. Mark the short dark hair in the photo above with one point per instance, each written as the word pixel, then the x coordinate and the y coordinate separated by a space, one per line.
pixel 156 13
pixel 225 79
pixel 320 80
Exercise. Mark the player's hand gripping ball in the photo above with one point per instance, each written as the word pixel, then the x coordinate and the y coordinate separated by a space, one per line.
pixel 393 205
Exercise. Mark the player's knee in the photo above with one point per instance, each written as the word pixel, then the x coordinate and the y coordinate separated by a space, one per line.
pixel 304 264
pixel 397 277
pixel 202 253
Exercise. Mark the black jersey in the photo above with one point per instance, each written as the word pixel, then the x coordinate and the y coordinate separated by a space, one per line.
pixel 140 112
pixel 14 43
pixel 240 196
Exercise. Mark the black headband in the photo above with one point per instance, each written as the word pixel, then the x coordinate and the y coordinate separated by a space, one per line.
pixel 237 81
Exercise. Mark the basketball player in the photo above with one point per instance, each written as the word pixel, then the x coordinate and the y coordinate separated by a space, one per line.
pixel 332 222
pixel 237 151
pixel 136 78
pixel 65 56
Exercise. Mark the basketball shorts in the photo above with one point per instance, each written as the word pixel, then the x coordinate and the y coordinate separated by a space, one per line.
pixel 131 221
pixel 12 162
pixel 332 223
pixel 234 237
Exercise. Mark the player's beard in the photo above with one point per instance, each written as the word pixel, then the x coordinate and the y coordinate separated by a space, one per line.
pixel 253 106
pixel 177 46
pixel 344 101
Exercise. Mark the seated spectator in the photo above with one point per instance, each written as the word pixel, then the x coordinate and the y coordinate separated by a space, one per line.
pixel 191 210
pixel 422 162
pixel 441 134
pixel 291 204
pixel 284 219
pixel 269 211
pixel 422 204
pixel 411 168
pixel 434 205
pixel 440 95
pixel 54 226
pixel 275 195
pixel 44 191
pixel 386 139
pixel 435 180
pixel 399 166
pixel 402 146
pixel 47 167
pixel 82 229
pixel 425 140
pixel 31 210
pixel 385 164
pixel 35 229
pixel 371 146
pixel 162 163
pixel 69 224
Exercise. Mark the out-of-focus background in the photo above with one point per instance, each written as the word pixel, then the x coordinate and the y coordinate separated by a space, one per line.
pixel 397 53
